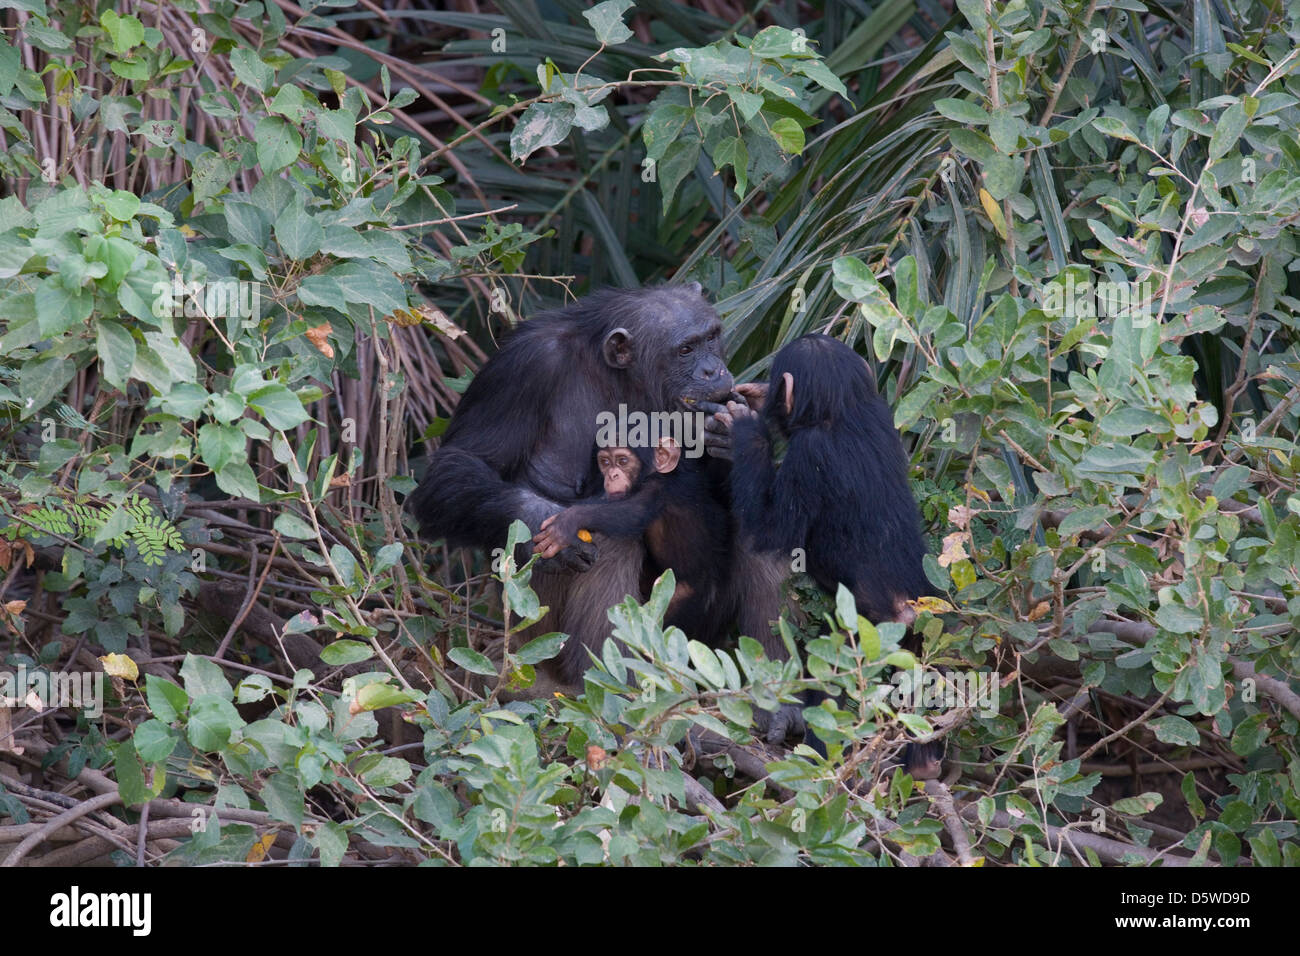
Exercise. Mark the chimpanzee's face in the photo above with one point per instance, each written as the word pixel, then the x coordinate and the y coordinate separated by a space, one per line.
pixel 698 368
pixel 619 467
pixel 671 343
pixel 694 365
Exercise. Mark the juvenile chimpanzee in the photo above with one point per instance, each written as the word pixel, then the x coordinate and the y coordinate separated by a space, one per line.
pixel 519 443
pixel 656 497
pixel 840 493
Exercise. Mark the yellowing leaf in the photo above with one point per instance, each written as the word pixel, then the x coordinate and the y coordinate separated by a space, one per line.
pixel 257 852
pixel 318 335
pixel 993 212
pixel 935 605
pixel 119 665
pixel 954 549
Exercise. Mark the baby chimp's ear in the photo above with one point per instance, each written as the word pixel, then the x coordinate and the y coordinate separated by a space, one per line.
pixel 667 455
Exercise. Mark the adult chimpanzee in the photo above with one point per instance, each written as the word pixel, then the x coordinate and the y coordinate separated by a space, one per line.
pixel 519 443
pixel 840 493
pixel 655 497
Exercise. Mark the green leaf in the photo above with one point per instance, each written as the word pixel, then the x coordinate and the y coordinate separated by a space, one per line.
pixel 299 234
pixel 1005 130
pixel 607 20
pixel 236 479
pixel 131 780
pixel 9 65
pixel 472 661
pixel 846 608
pixel 1002 175
pixel 748 104
pixel 281 408
pixel 706 662
pixel 211 722
pixel 291 526
pixel 288 102
pixel 116 349
pixel 1140 805
pixel 221 444
pixel 1175 730
pixel 253 71
pixel 1126 421
pixel 541 649
pixel 731 152
pixel 388 772
pixel 1179 619
pixel 204 678
pixel 166 701
pixel 337 124
pixel 387 557
pixel 122 205
pixel 678 163
pixel 154 741
pixel 331 841
pixel 283 795
pixel 278 143
pixel 126 32
pixel 962 111
pixel 342 653
pixel 378 694
pixel 664 126
pixel 1085 519
pixel 1228 131
pixel 542 125
pixel 789 135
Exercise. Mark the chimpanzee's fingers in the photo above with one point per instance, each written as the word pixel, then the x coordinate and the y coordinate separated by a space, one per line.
pixel 788 720
pixel 718 451
pixel 777 727
pixel 710 408
pixel 754 394
pixel 718 444
pixel 719 423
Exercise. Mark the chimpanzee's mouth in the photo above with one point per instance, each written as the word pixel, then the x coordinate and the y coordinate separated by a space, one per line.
pixel 718 396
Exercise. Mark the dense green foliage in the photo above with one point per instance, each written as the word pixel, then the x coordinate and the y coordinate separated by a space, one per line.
pixel 1064 235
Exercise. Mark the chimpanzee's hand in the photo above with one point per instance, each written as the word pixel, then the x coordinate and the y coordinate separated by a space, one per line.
pixel 787 721
pixel 754 394
pixel 558 532
pixel 578 558
pixel 560 550
pixel 717 429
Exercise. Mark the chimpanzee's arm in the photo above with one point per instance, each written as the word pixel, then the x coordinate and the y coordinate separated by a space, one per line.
pixel 775 506
pixel 518 447
pixel 623 518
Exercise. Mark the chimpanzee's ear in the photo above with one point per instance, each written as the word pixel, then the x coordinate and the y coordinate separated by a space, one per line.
pixel 667 455
pixel 694 288
pixel 618 348
pixel 787 393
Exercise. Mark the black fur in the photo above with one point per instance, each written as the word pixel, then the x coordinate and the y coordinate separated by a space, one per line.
pixel 841 492
pixel 684 527
pixel 519 444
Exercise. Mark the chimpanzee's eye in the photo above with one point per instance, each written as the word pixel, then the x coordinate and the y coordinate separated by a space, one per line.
pixel 684 350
